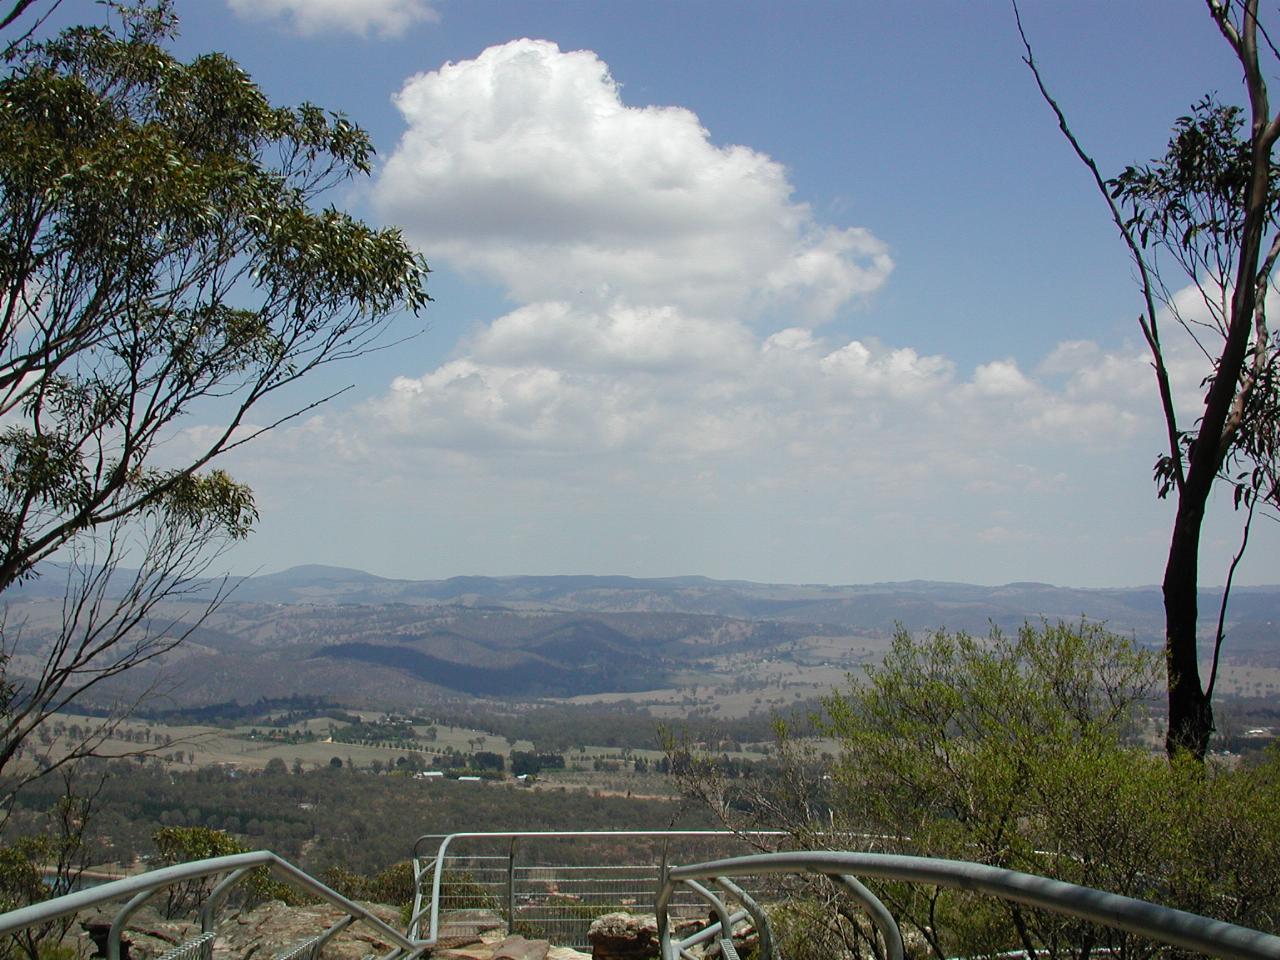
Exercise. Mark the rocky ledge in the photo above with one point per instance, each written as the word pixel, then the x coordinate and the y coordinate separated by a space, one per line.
pixel 272 927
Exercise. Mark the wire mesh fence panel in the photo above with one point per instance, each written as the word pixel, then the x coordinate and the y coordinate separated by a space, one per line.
pixel 306 950
pixel 472 895
pixel 558 903
pixel 552 885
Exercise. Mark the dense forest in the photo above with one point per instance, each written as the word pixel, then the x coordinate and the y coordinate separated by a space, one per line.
pixel 324 818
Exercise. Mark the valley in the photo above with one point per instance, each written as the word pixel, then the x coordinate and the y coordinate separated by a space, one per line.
pixel 672 648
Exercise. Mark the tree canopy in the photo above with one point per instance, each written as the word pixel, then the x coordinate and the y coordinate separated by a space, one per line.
pixel 165 262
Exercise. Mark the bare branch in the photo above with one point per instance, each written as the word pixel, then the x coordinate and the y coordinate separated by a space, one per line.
pixel 1220 633
pixel 1147 323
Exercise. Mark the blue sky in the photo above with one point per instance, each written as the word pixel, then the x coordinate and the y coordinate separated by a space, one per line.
pixel 807 292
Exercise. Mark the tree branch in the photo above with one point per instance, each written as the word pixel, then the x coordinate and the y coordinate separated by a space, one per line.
pixel 1147 323
pixel 1220 633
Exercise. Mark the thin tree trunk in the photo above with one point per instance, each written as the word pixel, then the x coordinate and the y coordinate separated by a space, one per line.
pixel 1190 712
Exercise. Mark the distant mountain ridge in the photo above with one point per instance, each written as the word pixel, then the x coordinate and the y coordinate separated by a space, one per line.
pixel 332 631
pixel 917 604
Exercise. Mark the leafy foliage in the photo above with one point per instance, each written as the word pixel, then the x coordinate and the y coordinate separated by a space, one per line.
pixel 1196 196
pixel 161 252
pixel 182 844
pixel 1192 205
pixel 1020 752
pixel 37 866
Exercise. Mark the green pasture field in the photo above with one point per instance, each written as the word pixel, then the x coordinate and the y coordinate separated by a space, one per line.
pixel 200 745
pixel 1246 680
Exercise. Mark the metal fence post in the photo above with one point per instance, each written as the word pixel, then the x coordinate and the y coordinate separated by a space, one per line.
pixel 511 887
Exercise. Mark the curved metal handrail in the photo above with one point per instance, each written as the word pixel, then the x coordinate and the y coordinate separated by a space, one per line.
pixel 1164 924
pixel 448 838
pixel 139 888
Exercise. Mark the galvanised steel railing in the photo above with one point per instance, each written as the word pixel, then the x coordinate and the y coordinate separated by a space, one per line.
pixel 1164 925
pixel 745 890
pixel 465 882
pixel 231 869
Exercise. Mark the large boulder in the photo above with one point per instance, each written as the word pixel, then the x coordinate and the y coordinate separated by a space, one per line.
pixel 271 927
pixel 518 948
pixel 624 936
pixel 496 945
pixel 147 934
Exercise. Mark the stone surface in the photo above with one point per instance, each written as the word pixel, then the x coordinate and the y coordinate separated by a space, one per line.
pixel 486 949
pixel 624 936
pixel 271 927
pixel 518 948
pixel 469 924
pixel 147 934
pixel 264 931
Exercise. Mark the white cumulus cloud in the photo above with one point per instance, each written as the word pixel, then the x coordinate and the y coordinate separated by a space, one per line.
pixel 648 384
pixel 387 18
pixel 525 165
pixel 663 376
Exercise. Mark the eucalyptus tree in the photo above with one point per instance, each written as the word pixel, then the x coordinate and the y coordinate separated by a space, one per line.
pixel 164 263
pixel 1203 220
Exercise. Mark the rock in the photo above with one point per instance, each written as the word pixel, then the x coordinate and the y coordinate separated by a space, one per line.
pixel 682 927
pixel 487 949
pixel 468 924
pixel 99 932
pixel 272 927
pixel 624 936
pixel 518 948
pixel 146 934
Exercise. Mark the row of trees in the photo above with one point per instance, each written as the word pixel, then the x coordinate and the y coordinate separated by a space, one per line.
pixel 318 818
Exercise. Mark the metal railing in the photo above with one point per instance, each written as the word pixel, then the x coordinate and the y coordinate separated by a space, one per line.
pixel 1165 925
pixel 697 904
pixel 467 882
pixel 231 869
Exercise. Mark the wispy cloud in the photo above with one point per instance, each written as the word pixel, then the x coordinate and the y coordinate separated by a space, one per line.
pixel 386 18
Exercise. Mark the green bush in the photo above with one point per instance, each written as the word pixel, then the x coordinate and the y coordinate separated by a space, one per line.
pixel 1024 752
pixel 394 885
pixel 462 891
pixel 182 844
pixel 352 885
pixel 1018 752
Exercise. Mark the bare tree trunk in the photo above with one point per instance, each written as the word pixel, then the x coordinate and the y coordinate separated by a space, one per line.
pixel 1190 712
